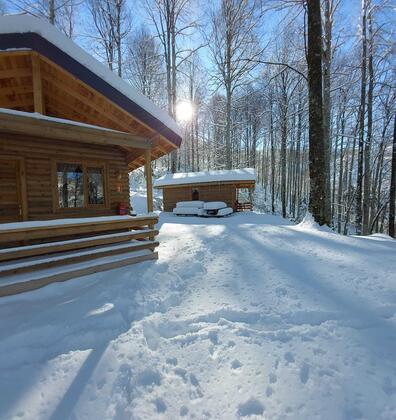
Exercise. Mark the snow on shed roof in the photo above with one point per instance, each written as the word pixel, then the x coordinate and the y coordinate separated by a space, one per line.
pixel 246 174
pixel 26 24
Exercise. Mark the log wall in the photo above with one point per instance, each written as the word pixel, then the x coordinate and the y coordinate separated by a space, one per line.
pixel 38 156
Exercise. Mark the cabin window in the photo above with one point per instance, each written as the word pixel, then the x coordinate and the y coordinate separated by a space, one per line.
pixel 70 185
pixel 195 194
pixel 95 185
pixel 80 185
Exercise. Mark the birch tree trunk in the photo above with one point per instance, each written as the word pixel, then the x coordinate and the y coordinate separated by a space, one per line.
pixel 362 113
pixel 367 148
pixel 392 189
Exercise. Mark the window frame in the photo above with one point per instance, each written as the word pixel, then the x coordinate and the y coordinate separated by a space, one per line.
pixel 85 165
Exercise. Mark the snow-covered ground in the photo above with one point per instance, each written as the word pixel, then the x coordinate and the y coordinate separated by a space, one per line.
pixel 242 316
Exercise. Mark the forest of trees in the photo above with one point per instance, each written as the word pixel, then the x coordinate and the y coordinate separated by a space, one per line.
pixel 251 75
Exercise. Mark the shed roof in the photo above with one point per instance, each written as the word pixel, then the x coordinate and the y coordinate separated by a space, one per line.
pixel 24 32
pixel 184 178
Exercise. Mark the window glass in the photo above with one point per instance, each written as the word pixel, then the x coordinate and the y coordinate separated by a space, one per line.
pixel 70 185
pixel 95 186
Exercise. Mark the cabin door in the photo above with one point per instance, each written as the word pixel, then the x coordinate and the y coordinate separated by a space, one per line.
pixel 11 190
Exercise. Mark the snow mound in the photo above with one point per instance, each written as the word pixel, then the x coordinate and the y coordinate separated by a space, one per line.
pixel 309 223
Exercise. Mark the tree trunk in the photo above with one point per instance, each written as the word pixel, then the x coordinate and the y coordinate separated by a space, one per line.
pixel 367 148
pixel 51 11
pixel 327 57
pixel 317 148
pixel 362 112
pixel 392 190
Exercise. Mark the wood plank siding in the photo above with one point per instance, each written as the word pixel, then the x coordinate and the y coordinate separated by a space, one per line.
pixel 38 156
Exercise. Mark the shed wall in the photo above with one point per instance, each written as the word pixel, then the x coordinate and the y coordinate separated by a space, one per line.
pixel 212 192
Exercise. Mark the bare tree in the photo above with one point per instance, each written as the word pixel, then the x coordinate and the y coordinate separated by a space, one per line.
pixel 330 7
pixel 235 49
pixel 392 189
pixel 144 66
pixel 172 22
pixel 112 21
pixel 41 8
pixel 362 114
pixel 66 16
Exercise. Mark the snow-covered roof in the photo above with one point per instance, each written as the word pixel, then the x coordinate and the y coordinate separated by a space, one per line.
pixel 42 117
pixel 246 174
pixel 26 24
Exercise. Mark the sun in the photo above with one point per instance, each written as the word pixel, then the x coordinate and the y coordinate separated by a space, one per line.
pixel 184 111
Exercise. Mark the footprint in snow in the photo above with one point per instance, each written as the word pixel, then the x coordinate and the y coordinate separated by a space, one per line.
pixel 236 364
pixel 289 357
pixel 160 405
pixel 149 377
pixel 183 411
pixel 171 361
pixel 196 392
pixel 272 378
pixel 182 373
pixel 304 373
pixel 250 408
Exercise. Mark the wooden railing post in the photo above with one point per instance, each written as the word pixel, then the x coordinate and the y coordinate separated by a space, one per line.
pixel 149 180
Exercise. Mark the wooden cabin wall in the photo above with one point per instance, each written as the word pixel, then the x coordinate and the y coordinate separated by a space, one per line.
pixel 212 192
pixel 38 154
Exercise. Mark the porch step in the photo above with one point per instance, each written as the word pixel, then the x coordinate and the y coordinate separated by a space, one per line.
pixel 19 283
pixel 73 244
pixel 33 264
pixel 55 229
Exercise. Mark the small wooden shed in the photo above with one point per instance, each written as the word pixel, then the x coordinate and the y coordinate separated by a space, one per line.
pixel 70 132
pixel 234 187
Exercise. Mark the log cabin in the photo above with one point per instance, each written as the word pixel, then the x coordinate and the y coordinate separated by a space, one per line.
pixel 71 130
pixel 233 187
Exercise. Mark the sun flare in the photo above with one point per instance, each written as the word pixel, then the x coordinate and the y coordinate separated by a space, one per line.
pixel 184 111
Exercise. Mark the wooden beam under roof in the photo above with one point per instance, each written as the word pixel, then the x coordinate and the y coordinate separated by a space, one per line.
pixel 25 124
pixel 38 95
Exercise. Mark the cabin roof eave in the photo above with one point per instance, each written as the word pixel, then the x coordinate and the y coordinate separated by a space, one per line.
pixel 36 125
pixel 35 35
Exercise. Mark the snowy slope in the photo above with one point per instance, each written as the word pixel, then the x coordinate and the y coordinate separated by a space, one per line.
pixel 242 316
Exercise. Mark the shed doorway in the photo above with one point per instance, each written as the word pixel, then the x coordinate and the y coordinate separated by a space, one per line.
pixel 195 194
pixel 244 199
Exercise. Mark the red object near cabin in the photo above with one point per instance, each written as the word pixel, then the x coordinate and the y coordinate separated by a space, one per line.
pixel 122 209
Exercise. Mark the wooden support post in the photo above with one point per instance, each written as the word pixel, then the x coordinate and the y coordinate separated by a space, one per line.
pixel 149 180
pixel 38 96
